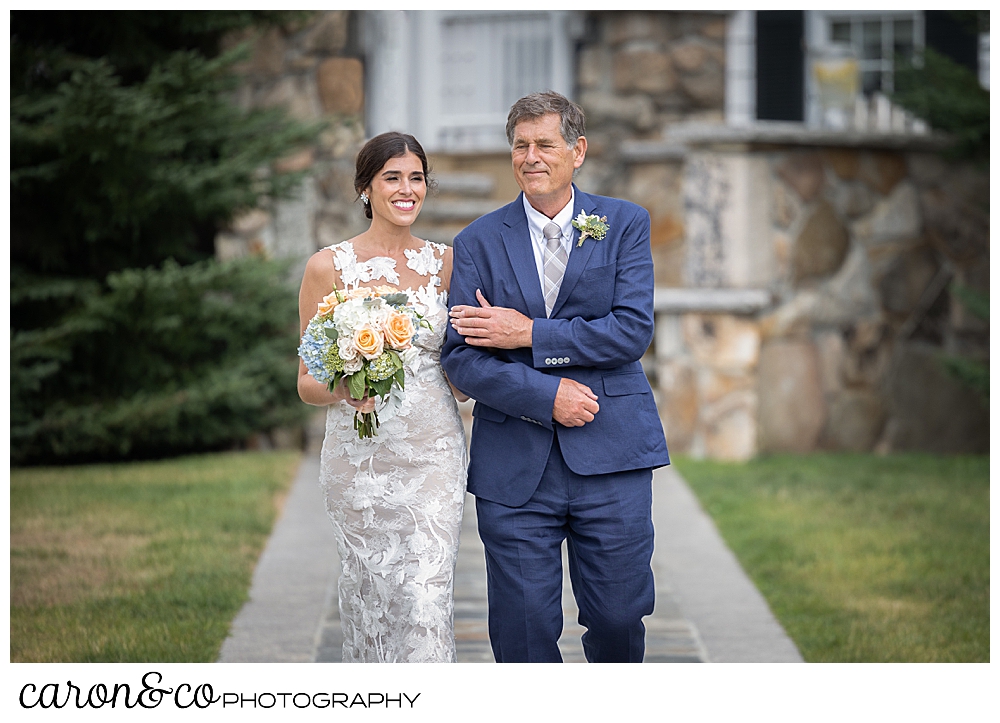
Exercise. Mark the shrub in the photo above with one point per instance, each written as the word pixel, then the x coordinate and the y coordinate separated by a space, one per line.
pixel 161 361
pixel 948 96
pixel 128 155
pixel 106 176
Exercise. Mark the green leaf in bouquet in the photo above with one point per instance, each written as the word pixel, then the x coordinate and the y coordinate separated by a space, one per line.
pixel 331 333
pixel 382 387
pixel 399 299
pixel 400 377
pixel 356 384
pixel 337 376
pixel 397 360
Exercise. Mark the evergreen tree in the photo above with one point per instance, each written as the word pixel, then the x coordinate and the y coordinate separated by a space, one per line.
pixel 127 156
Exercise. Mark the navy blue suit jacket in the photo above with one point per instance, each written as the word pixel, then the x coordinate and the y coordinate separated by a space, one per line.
pixel 601 325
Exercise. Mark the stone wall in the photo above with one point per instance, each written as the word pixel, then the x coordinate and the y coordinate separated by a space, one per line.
pixel 639 72
pixel 856 247
pixel 315 71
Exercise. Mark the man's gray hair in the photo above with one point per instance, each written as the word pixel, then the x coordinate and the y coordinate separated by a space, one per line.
pixel 535 105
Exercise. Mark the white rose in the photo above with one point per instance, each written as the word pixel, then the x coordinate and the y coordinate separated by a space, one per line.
pixel 345 345
pixel 354 365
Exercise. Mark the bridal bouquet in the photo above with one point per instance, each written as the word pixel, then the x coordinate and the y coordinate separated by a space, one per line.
pixel 361 336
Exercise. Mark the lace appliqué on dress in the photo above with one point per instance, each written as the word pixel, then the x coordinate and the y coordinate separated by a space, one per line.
pixel 427 261
pixel 396 499
pixel 354 272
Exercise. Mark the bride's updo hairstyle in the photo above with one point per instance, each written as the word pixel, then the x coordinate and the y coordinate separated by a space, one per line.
pixel 377 152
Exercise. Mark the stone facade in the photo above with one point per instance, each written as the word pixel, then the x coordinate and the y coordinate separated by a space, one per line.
pixel 316 71
pixel 863 242
pixel 638 72
pixel 849 240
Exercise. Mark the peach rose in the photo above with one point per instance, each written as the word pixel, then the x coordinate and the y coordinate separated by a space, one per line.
pixel 328 304
pixel 383 290
pixel 361 292
pixel 369 342
pixel 398 329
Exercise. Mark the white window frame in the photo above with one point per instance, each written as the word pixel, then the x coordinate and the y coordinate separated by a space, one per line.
pixel 404 84
pixel 819 32
pixel 741 68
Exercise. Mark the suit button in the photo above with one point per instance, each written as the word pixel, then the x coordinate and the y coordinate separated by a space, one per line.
pixel 548 360
pixel 565 360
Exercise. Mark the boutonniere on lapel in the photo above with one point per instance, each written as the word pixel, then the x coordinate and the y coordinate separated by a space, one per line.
pixel 596 228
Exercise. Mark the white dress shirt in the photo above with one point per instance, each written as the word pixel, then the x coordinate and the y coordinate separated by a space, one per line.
pixel 538 220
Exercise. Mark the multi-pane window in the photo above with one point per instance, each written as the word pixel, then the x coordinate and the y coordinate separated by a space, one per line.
pixel 488 62
pixel 450 76
pixel 878 41
pixel 766 50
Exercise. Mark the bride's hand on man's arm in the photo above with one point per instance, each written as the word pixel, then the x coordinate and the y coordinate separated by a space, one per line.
pixel 491 326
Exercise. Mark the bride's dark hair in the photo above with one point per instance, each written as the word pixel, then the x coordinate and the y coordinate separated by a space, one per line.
pixel 377 152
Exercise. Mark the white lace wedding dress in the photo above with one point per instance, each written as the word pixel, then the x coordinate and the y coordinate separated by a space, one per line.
pixel 396 499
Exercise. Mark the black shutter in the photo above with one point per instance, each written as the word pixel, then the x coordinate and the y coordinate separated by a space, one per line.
pixel 780 65
pixel 947 35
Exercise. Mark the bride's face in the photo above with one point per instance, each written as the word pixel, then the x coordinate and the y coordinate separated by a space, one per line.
pixel 397 191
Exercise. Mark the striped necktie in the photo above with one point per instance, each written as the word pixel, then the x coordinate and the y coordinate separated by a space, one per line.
pixel 553 264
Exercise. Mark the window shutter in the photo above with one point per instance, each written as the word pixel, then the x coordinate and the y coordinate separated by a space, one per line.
pixel 949 37
pixel 780 65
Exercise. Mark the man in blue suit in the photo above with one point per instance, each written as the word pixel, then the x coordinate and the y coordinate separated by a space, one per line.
pixel 547 328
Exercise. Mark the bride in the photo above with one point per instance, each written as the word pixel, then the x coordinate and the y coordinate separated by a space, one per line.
pixel 395 499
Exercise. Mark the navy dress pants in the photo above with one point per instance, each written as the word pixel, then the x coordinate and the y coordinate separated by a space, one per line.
pixel 607 522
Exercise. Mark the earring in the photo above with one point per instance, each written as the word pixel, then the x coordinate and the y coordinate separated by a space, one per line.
pixel 364 198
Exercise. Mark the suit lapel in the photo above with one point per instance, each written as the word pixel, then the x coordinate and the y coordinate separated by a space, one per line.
pixel 517 242
pixel 578 255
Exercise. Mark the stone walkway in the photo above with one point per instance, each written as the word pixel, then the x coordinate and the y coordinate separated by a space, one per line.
pixel 707 610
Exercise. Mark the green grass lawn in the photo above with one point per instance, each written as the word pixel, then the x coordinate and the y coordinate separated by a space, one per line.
pixel 137 562
pixel 862 558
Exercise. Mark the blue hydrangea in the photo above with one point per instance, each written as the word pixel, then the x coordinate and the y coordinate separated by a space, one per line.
pixel 319 352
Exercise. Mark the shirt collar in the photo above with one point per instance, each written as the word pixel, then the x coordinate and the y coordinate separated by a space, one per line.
pixel 538 220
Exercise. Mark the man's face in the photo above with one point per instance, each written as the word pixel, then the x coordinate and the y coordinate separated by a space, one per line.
pixel 543 165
